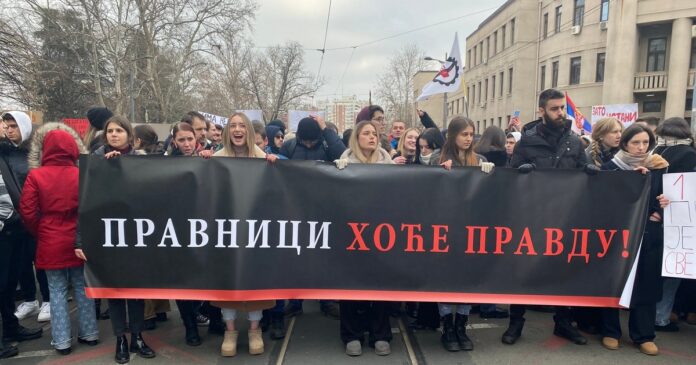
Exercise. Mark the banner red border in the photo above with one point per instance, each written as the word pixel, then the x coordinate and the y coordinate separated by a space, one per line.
pixel 340 294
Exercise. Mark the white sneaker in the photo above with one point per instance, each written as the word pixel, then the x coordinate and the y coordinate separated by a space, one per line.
pixel 27 309
pixel 45 312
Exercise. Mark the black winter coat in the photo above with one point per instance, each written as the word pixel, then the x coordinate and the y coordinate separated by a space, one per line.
pixel 648 285
pixel 329 148
pixel 681 158
pixel 535 148
pixel 498 158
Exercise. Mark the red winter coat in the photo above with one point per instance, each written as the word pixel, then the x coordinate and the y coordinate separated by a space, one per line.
pixel 49 202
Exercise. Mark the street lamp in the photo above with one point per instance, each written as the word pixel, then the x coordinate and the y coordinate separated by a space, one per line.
pixel 444 103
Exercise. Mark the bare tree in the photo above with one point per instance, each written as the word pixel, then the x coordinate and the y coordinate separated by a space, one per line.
pixel 17 66
pixel 394 86
pixel 276 79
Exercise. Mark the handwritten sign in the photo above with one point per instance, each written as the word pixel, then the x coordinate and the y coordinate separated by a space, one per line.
pixel 294 117
pixel 679 255
pixel 625 113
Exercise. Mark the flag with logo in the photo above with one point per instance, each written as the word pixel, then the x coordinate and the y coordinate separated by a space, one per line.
pixel 450 76
pixel 580 124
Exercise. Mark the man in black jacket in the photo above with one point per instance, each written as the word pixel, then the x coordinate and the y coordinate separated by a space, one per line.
pixel 313 142
pixel 548 143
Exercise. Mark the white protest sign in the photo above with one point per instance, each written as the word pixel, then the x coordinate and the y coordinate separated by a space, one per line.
pixel 679 253
pixel 625 113
pixel 215 119
pixel 252 114
pixel 295 116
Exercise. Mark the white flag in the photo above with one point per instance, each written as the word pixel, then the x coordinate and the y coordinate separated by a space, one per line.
pixel 450 76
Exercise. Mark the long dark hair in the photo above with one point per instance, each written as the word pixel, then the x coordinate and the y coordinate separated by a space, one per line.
pixel 675 128
pixel 433 137
pixel 492 139
pixel 450 150
pixel 634 129
pixel 148 138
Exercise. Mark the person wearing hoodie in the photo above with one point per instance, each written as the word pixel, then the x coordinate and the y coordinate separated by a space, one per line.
pixel 49 211
pixel 510 140
pixel 16 243
pixel 364 147
pixel 275 137
pixel 313 141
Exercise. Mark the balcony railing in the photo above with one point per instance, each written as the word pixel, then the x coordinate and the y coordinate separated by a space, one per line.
pixel 650 81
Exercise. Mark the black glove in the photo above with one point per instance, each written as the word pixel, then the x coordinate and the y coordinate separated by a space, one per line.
pixel 591 169
pixel 526 168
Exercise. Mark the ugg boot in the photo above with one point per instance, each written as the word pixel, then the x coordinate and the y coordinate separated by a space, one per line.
pixel 255 342
pixel 229 344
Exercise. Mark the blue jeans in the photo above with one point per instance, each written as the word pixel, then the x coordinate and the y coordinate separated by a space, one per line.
pixel 447 308
pixel 664 306
pixel 58 282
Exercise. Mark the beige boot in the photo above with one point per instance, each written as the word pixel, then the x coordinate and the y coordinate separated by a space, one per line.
pixel 255 342
pixel 229 344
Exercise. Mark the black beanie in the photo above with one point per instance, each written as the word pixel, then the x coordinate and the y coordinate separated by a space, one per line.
pixel 98 116
pixel 278 123
pixel 308 130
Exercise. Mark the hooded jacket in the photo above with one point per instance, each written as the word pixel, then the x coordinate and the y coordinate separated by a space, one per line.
pixel 15 156
pixel 49 203
pixel 328 147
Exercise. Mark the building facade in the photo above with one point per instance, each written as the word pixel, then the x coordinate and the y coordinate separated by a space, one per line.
pixel 599 51
pixel 343 111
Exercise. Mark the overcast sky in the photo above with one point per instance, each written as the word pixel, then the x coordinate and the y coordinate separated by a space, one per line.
pixel 353 22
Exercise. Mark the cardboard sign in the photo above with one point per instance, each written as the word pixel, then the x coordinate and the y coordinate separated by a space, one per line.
pixel 679 255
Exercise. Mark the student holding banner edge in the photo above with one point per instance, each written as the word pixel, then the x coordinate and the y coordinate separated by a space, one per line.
pixel 636 143
pixel 125 313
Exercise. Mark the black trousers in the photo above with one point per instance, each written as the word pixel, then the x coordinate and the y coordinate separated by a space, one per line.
pixel 187 310
pixel 641 323
pixel 357 317
pixel 27 280
pixel 10 257
pixel 126 313
pixel 562 313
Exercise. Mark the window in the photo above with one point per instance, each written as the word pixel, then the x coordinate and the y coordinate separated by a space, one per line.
pixel 578 12
pixel 557 25
pixel 554 74
pixel 468 58
pixel 474 59
pixel 480 60
pixel 512 31
pixel 574 71
pixel 485 93
pixel 495 42
pixel 600 67
pixel 493 87
pixel 604 11
pixel 501 82
pixel 542 79
pixel 545 28
pixel 652 106
pixel 472 96
pixel 510 80
pixel 503 35
pixel 500 122
pixel 479 92
pixel 656 54
pixel 488 47
pixel 693 53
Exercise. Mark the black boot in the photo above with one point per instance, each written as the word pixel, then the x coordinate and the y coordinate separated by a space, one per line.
pixel 192 336
pixel 565 329
pixel 460 322
pixel 514 331
pixel 449 336
pixel 265 321
pixel 7 350
pixel 122 354
pixel 277 326
pixel 22 333
pixel 138 345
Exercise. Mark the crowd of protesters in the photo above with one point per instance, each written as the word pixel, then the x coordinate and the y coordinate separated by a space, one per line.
pixel 40 241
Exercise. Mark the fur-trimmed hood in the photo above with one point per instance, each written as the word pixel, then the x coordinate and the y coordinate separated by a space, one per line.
pixel 37 141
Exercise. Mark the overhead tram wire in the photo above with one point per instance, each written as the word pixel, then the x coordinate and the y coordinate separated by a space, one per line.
pixel 340 83
pixel 323 48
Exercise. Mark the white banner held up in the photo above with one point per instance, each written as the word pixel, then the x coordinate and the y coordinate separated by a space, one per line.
pixel 450 76
pixel 295 116
pixel 215 119
pixel 252 114
pixel 679 253
pixel 625 113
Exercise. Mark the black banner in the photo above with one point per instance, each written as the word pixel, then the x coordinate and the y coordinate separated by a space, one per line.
pixel 244 229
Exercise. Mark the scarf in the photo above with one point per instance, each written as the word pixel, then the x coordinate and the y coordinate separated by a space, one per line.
pixel 425 159
pixel 670 141
pixel 627 161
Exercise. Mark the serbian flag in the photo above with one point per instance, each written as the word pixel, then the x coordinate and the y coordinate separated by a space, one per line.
pixel 580 124
pixel 450 76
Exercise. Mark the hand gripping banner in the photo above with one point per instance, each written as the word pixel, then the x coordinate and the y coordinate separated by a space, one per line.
pixel 244 229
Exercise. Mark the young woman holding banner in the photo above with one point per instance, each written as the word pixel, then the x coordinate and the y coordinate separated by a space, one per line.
pixel 125 313
pixel 363 147
pixel 238 141
pixel 635 145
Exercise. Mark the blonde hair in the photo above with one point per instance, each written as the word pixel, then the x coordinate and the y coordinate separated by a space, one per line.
pixel 355 147
pixel 400 147
pixel 250 136
pixel 600 129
